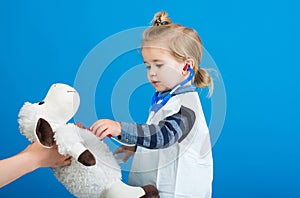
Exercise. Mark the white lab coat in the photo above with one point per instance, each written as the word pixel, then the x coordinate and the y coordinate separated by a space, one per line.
pixel 184 169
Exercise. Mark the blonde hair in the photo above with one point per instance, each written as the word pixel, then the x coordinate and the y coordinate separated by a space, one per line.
pixel 184 44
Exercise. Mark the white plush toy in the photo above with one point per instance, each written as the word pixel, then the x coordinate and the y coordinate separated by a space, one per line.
pixel 94 171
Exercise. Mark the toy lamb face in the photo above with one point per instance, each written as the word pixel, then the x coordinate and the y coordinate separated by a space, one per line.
pixel 94 171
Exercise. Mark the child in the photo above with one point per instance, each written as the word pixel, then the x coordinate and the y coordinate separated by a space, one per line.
pixel 173 148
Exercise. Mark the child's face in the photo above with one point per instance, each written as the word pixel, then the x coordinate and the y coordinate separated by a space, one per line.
pixel 164 71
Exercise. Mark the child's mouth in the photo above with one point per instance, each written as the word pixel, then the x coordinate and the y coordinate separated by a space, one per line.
pixel 155 82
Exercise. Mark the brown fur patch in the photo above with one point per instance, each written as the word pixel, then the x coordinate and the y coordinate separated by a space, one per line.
pixel 44 133
pixel 87 158
pixel 151 192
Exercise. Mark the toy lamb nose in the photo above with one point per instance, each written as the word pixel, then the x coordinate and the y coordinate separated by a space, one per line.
pixel 94 172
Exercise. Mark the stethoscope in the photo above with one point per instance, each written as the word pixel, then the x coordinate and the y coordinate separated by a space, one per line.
pixel 159 101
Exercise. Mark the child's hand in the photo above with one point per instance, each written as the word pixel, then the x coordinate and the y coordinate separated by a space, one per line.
pixel 102 128
pixel 127 151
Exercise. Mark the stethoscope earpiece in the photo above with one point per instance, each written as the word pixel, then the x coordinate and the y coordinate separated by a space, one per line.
pixel 186 67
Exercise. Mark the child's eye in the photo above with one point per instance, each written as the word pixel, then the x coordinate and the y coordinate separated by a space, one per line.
pixel 147 67
pixel 159 65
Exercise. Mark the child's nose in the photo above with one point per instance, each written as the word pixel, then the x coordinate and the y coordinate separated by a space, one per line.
pixel 152 72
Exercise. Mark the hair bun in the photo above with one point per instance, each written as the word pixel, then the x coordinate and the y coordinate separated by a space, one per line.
pixel 161 18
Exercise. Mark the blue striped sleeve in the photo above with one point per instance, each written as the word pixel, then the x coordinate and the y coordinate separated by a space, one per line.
pixel 168 131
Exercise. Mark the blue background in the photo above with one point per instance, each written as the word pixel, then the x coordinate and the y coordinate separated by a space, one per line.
pixel 254 43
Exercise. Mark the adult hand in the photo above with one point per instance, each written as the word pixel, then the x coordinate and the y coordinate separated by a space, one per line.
pixel 80 125
pixel 46 157
pixel 33 157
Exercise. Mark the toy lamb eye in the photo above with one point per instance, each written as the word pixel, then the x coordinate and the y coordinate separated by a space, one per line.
pixel 40 103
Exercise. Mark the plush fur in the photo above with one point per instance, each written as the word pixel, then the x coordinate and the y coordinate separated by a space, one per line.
pixel 93 171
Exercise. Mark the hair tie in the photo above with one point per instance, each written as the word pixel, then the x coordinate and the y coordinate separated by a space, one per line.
pixel 158 22
pixel 164 23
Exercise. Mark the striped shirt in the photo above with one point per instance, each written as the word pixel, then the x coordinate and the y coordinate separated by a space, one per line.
pixel 168 131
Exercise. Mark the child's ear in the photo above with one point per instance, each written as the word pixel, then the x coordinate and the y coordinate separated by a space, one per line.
pixel 44 133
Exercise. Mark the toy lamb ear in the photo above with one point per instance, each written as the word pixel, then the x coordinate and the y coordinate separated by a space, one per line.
pixel 44 133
